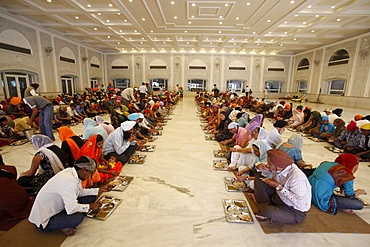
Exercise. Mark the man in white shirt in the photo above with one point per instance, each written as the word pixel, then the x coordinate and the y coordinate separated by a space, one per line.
pixel 286 196
pixel 142 90
pixel 274 134
pixel 127 96
pixel 60 204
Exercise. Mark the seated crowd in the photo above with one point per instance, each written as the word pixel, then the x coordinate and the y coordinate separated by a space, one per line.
pixel 62 182
pixel 280 182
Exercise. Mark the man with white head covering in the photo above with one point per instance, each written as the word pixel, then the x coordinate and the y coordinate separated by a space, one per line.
pixel 60 204
pixel 121 142
pixel 238 138
pixel 275 133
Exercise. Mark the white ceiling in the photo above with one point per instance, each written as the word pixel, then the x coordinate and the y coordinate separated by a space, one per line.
pixel 246 26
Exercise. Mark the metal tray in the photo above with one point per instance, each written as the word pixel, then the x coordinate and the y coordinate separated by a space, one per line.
pixel 208 132
pixel 315 139
pixel 220 165
pixel 237 211
pixel 219 153
pixel 19 142
pixel 120 183
pixel 203 121
pixel 334 149
pixel 167 118
pixel 158 128
pixel 152 139
pixel 109 204
pixel 210 137
pixel 232 185
pixel 157 133
pixel 137 159
pixel 148 148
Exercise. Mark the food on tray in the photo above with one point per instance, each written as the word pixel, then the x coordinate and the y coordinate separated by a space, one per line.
pixel 220 165
pixel 238 184
pixel 245 217
pixel 115 183
pixel 105 201
pixel 107 207
pixel 102 214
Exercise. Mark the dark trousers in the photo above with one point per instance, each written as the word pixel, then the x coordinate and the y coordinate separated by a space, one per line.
pixel 125 156
pixel 62 220
pixel 271 206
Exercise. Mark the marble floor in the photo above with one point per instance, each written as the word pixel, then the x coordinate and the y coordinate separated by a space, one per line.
pixel 176 197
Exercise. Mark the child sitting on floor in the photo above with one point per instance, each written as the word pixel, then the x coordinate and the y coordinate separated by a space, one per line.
pixel 110 170
pixel 7 133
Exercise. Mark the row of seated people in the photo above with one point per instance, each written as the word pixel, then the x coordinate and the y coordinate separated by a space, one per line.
pixel 108 147
pixel 280 182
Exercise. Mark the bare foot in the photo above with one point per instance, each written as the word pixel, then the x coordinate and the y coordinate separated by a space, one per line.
pixel 348 211
pixel 251 195
pixel 69 231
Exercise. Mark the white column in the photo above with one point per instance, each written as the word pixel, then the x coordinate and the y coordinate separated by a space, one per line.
pixel 251 71
pixel 41 59
pixel 183 66
pixel 133 71
pixel 320 73
pixel 290 74
pixel 171 79
pixel 143 67
pixel 348 91
pixel 212 76
pixel 80 67
pixel 262 85
pixel 222 73
pixel 87 64
pixel 57 80
pixel 312 70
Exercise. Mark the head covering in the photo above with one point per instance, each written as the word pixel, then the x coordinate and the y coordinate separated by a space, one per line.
pixel 287 106
pixel 262 134
pixel 358 117
pixel 300 107
pixel 263 147
pixel 141 116
pixel 65 132
pixel 161 103
pixel 308 107
pixel 279 158
pixel 280 124
pixel 90 166
pixel 92 128
pixel 325 118
pixel 366 126
pixel 107 126
pixel 296 140
pixel 351 126
pixel 342 172
pixel 255 122
pixel 127 125
pixel 232 125
pixel 41 144
pixel 327 110
pixel 15 100
pixel 35 85
pixel 134 116
pixel 90 148
pixel 337 111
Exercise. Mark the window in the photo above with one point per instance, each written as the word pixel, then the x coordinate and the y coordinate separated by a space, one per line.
pixel 95 65
pixel 235 85
pixel 196 84
pixel 157 83
pixel 303 64
pixel 68 85
pixel 119 67
pixel 15 48
pixel 67 60
pixel 158 67
pixel 197 67
pixel 302 87
pixel 236 68
pixel 273 86
pixel 95 82
pixel 335 86
pixel 339 57
pixel 121 83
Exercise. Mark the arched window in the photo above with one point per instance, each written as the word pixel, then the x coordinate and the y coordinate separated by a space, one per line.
pixel 303 64
pixel 121 83
pixel 67 55
pixel 237 65
pixel 339 57
pixel 13 40
pixel 276 66
pixel 94 62
pixel 119 63
pixel 158 64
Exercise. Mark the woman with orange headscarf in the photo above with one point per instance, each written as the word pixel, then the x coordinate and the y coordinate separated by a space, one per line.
pixel 330 175
pixel 71 144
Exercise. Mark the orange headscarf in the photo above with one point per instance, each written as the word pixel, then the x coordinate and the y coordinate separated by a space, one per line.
pixel 64 134
pixel 90 149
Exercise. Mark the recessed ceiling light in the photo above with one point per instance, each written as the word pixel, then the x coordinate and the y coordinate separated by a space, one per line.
pixel 120 31
pixel 333 7
pixel 108 37
pixel 193 4
pixel 168 37
pixel 281 44
pixel 258 39
pixel 143 19
pixel 295 15
pixel 258 44
pixel 338 19
pixel 291 1
pixel 185 31
pixel 129 38
pixel 285 22
pixel 99 13
pixel 187 43
pixel 248 4
pixel 151 31
pixel 234 43
pixel 245 39
pixel 76 17
pixel 237 18
pixel 304 23
pixel 193 37
pixel 219 32
pixel 95 28
pixel 285 32
pixel 312 31
pixel 155 38
pixel 125 20
pixel 142 38
pixel 192 16
pixel 110 5
pixel 89 5
pixel 107 20
pixel 141 42
pixel 220 16
pixel 130 1
pixel 164 42
pixel 232 38
pixel 295 39
pixel 272 40
pixel 226 4
pixel 207 38
pixel 270 32
pixel 268 20
pixel 189 22
pixel 254 32
pixel 135 31
pixel 180 37
pixel 309 6
pixel 175 17
pixel 317 15
pixel 210 43
pixel 220 22
pixel 118 43
pixel 219 39
pixel 172 2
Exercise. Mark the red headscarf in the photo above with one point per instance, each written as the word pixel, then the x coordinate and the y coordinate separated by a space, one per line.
pixel 90 149
pixel 342 172
pixel 64 134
